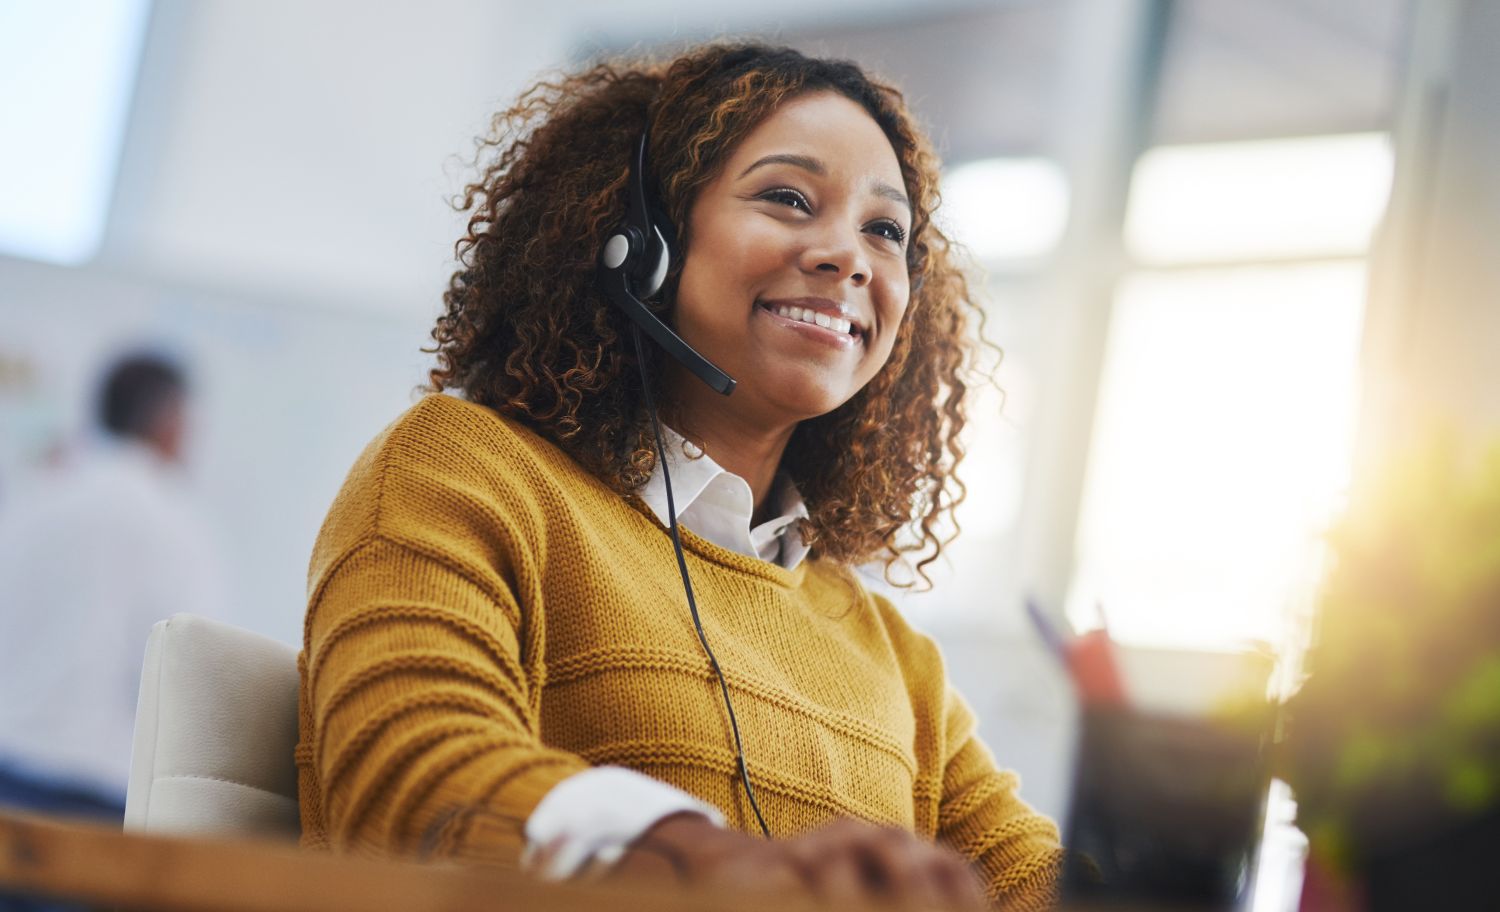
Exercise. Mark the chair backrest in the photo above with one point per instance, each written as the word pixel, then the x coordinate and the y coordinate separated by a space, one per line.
pixel 215 731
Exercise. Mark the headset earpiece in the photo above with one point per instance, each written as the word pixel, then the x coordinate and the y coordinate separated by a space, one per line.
pixel 633 266
pixel 645 262
pixel 656 274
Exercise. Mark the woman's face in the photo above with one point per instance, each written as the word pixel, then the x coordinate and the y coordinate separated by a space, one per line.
pixel 795 280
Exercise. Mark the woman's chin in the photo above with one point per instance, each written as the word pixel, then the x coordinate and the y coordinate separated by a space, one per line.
pixel 773 398
pixel 801 400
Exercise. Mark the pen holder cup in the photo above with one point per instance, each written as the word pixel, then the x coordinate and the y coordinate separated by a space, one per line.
pixel 1166 810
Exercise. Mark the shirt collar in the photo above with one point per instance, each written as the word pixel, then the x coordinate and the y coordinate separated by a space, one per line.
pixel 718 505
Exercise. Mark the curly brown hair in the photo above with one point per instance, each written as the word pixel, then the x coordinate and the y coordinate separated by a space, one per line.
pixel 527 333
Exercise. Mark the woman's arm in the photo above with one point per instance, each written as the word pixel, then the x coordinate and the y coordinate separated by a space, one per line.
pixel 1015 849
pixel 424 726
pixel 423 647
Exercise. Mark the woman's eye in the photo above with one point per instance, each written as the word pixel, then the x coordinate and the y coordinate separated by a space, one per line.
pixel 889 229
pixel 787 197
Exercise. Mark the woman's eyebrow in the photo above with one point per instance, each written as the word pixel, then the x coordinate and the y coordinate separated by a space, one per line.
pixel 805 162
pixel 813 165
pixel 884 189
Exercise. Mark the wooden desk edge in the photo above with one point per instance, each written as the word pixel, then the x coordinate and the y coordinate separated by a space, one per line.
pixel 103 865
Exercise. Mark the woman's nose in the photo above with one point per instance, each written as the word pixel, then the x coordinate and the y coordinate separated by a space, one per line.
pixel 837 252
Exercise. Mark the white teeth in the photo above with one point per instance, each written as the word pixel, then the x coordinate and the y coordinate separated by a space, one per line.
pixel 808 315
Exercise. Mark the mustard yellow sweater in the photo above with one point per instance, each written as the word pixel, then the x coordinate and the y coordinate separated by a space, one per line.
pixel 486 619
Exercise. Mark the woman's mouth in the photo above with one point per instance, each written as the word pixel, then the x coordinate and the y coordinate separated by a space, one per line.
pixel 815 325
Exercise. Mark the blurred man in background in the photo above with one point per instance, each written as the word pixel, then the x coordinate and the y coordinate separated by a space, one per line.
pixel 91 556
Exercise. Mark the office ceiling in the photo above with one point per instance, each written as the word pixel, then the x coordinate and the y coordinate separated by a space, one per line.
pixel 1236 70
pixel 986 76
pixel 307 150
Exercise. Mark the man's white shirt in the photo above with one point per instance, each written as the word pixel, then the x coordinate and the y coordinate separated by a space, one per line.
pixel 91 556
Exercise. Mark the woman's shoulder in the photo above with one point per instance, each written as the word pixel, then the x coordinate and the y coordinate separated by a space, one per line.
pixel 449 439
pixel 917 652
pixel 446 464
pixel 920 656
pixel 440 423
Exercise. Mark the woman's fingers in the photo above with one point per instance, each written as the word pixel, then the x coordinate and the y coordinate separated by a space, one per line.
pixel 951 882
pixel 961 885
pixel 855 862
pixel 926 875
pixel 838 875
pixel 908 868
pixel 702 854
pixel 845 863
pixel 761 868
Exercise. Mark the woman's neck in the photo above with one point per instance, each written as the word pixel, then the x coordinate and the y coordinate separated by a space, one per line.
pixel 753 454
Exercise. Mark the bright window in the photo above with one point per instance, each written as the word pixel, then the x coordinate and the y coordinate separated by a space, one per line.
pixel 1221 446
pixel 1223 431
pixel 68 69
pixel 1307 197
pixel 1005 210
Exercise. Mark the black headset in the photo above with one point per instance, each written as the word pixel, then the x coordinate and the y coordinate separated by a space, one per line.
pixel 633 264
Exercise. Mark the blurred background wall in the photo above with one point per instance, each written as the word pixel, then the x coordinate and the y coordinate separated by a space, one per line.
pixel 1173 202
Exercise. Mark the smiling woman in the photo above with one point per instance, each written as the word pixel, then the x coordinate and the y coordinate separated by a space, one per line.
pixel 498 655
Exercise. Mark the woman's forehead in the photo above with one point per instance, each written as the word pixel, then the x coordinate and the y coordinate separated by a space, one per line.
pixel 827 130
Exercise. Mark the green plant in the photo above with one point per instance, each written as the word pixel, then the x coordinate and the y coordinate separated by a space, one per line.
pixel 1396 732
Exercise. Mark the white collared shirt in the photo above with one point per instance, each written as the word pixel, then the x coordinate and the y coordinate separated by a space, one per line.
pixel 718 505
pixel 597 813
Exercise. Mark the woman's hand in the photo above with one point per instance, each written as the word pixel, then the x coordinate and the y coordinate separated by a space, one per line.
pixel 846 862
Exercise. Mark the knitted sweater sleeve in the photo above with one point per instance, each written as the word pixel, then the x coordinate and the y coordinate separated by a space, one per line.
pixel 1015 850
pixel 420 708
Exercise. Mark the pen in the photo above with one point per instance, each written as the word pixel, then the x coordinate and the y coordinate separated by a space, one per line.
pixel 1050 634
pixel 1089 658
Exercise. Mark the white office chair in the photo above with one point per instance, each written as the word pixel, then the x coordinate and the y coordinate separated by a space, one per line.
pixel 215 728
